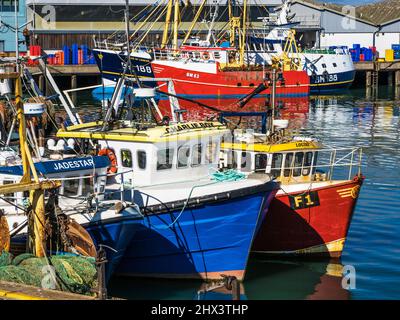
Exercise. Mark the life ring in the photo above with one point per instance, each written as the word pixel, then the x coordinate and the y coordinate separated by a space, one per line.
pixel 206 56
pixel 113 159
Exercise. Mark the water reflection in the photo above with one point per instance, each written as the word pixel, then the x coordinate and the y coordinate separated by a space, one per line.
pixel 265 279
pixel 346 120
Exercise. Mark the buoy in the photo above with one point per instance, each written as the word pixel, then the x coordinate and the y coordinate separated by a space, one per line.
pixel 34 109
pixel 5 87
pixel 113 159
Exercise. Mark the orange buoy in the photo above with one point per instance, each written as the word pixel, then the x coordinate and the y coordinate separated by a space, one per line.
pixel 113 159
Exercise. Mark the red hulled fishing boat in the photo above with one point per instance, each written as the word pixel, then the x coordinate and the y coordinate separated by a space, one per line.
pixel 311 213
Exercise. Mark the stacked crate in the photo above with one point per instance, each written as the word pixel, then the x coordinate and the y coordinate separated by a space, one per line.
pixel 396 51
pixel 73 55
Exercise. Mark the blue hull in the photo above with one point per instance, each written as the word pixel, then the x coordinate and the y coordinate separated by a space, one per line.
pixel 212 239
pixel 112 66
pixel 340 81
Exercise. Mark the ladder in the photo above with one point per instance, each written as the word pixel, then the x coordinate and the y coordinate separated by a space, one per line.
pixel 375 78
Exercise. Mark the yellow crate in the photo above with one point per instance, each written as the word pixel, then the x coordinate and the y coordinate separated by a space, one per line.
pixel 389 54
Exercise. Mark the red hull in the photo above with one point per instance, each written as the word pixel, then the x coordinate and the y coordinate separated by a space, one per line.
pixel 228 84
pixel 316 231
pixel 292 108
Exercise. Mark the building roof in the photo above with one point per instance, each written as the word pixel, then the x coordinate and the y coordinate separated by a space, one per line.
pixel 330 8
pixel 390 21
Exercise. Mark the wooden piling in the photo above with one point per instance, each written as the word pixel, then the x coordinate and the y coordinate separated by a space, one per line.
pixel 397 78
pixel 390 78
pixel 74 85
pixel 368 80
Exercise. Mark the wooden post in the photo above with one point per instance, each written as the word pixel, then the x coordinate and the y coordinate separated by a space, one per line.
pixel 390 78
pixel 397 78
pixel 74 85
pixel 368 79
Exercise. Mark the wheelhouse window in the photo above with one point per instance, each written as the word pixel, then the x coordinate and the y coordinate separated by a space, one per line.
pixel 126 158
pixel 87 185
pixel 71 187
pixel 196 155
pixel 314 163
pixel 141 159
pixel 164 159
pixel 276 165
pixel 307 163
pixel 183 156
pixel 211 152
pixel 334 64
pixel 324 65
pixel 298 164
pixel 245 160
pixel 261 161
pixel 288 164
pixel 234 160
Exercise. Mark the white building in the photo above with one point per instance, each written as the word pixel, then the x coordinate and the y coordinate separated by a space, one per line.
pixel 326 27
pixel 388 33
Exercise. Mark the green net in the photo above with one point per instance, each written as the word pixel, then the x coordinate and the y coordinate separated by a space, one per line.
pixel 62 272
pixel 5 258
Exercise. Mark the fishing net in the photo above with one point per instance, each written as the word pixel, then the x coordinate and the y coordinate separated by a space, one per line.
pixel 70 273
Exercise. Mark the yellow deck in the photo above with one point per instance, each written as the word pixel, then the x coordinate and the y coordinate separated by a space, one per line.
pixel 272 148
pixel 180 131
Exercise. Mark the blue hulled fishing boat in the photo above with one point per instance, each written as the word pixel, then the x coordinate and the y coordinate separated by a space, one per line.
pixel 192 221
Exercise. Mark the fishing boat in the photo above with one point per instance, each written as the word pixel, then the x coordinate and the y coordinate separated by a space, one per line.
pixel 330 69
pixel 192 226
pixel 203 73
pixel 311 213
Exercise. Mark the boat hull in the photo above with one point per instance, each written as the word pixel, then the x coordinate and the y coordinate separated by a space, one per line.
pixel 202 242
pixel 334 82
pixel 195 83
pixel 317 230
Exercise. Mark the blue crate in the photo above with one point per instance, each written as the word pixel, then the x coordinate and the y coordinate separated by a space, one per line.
pixel 75 54
pixel 67 55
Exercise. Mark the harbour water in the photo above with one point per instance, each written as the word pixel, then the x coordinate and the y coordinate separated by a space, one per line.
pixel 372 248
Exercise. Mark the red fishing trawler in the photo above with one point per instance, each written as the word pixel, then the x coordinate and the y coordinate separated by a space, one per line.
pixel 197 73
pixel 311 213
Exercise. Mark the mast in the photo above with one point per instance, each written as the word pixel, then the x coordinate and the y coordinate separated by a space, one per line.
pixel 194 21
pixel 16 34
pixel 243 41
pixel 232 24
pixel 127 31
pixel 167 23
pixel 176 22
pixel 35 188
pixel 211 28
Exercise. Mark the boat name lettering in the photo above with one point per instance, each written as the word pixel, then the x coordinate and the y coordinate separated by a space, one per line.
pixel 302 144
pixel 192 75
pixel 190 126
pixel 327 78
pixel 73 164
pixel 304 200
